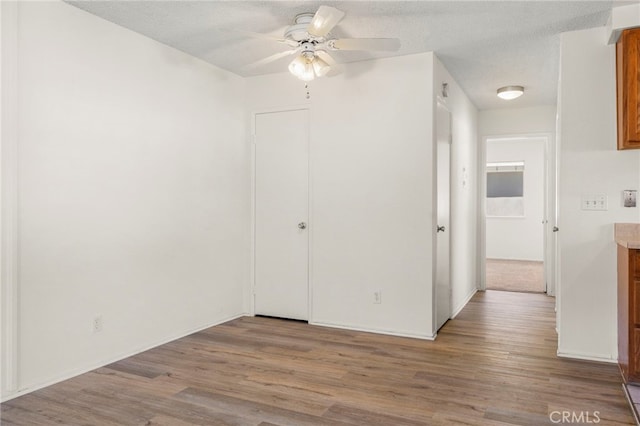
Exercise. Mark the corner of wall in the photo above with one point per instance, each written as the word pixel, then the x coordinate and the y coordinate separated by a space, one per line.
pixel 461 304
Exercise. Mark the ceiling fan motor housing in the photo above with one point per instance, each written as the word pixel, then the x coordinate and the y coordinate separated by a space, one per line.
pixel 298 31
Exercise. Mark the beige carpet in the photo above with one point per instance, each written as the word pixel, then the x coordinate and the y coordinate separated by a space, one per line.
pixel 515 275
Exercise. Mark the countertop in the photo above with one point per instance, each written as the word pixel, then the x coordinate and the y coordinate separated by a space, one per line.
pixel 627 235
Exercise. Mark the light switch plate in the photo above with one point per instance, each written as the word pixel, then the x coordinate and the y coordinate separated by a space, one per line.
pixel 594 202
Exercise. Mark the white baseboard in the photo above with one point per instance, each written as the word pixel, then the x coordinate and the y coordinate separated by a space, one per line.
pixel 457 310
pixel 587 357
pixel 76 372
pixel 374 330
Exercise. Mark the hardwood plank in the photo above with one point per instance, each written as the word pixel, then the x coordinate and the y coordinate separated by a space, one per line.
pixel 50 412
pixel 164 420
pixel 451 418
pixel 516 417
pixel 126 366
pixel 252 410
pixel 356 416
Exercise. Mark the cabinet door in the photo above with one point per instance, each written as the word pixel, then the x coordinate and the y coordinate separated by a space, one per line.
pixel 634 303
pixel 634 325
pixel 634 357
pixel 628 89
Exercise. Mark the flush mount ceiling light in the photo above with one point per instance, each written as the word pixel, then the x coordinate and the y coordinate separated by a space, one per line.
pixel 510 92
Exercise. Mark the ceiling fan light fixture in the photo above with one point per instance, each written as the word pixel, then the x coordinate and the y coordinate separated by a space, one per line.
pixel 302 68
pixel 510 92
pixel 320 67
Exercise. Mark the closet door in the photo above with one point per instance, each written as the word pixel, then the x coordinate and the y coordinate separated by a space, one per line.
pixel 281 214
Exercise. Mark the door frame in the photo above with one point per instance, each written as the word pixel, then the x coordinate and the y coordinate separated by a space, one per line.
pixel 550 255
pixel 250 298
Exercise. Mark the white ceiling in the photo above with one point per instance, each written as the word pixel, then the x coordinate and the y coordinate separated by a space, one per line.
pixel 483 44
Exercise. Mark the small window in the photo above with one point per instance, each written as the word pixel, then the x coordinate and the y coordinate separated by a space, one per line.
pixel 505 189
pixel 504 184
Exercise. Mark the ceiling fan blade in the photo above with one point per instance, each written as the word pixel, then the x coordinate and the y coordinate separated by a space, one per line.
pixel 389 44
pixel 270 59
pixel 336 68
pixel 251 34
pixel 324 20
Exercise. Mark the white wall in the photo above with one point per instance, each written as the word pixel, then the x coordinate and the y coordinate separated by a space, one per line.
pixel 371 188
pixel 372 177
pixel 517 121
pixel 133 188
pixel 519 238
pixel 622 17
pixel 464 160
pixel 589 163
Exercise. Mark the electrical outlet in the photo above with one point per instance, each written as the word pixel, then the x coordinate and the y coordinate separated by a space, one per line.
pixel 377 297
pixel 97 324
pixel 629 197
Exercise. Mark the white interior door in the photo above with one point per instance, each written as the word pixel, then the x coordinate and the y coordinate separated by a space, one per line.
pixel 281 214
pixel 443 234
pixel 551 217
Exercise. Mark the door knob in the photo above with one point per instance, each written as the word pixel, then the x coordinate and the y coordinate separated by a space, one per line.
pixel 302 225
pixel 555 229
pixel 440 229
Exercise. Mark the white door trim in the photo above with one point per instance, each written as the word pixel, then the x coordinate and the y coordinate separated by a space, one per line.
pixel 9 198
pixel 251 290
pixel 550 201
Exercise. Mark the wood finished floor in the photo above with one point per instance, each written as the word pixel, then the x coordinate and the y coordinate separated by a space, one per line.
pixel 495 364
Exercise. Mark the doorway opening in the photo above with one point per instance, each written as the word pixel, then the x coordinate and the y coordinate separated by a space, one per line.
pixel 443 215
pixel 515 204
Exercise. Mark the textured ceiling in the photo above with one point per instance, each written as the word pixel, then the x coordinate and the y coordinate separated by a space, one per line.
pixel 483 44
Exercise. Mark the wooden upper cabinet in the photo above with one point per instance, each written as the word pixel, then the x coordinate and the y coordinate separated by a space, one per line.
pixel 628 88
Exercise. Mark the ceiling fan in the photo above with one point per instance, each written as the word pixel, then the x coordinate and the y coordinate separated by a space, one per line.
pixel 311 41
